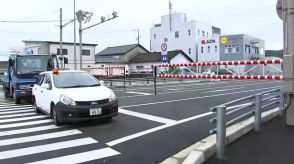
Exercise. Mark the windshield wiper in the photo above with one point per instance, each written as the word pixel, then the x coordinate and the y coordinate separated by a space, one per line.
pixel 79 86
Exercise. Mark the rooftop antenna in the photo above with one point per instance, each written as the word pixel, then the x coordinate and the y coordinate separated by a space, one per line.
pixel 170 17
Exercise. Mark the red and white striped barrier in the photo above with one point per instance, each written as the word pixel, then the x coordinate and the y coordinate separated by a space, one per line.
pixel 214 63
pixel 101 75
pixel 243 77
pixel 114 67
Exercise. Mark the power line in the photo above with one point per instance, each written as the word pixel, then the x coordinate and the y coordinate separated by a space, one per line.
pixel 32 21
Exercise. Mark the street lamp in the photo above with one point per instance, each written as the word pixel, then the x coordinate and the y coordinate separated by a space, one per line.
pixel 85 17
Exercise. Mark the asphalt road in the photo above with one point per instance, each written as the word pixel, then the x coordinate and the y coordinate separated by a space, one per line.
pixel 148 128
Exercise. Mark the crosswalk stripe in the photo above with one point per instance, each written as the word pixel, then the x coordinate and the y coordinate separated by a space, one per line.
pixel 14 106
pixel 22 118
pixel 18 108
pixel 38 137
pixel 28 130
pixel 18 111
pixel 81 157
pixel 18 115
pixel 25 123
pixel 46 148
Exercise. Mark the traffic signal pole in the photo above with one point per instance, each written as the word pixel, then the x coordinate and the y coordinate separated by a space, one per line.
pixel 285 10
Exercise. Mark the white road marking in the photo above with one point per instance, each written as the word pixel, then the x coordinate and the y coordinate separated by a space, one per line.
pixel 14 108
pixel 222 90
pixel 25 124
pixel 38 137
pixel 193 98
pixel 197 89
pixel 81 157
pixel 46 148
pixel 136 135
pixel 139 93
pixel 237 106
pixel 28 130
pixel 17 111
pixel 173 89
pixel 147 116
pixel 18 115
pixel 23 118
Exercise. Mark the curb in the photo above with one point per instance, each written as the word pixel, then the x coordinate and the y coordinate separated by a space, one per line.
pixel 205 148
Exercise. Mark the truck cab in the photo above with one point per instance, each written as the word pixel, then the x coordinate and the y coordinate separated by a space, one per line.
pixel 21 74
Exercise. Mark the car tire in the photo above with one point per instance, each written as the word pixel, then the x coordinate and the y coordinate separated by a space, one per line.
pixel 36 108
pixel 55 117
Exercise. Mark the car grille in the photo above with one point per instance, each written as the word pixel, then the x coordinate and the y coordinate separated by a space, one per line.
pixel 91 103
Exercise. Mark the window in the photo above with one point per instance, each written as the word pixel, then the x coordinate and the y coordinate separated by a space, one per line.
pixel 202 49
pixel 208 49
pixel 73 79
pixel 189 32
pixel 47 80
pixel 165 40
pixel 177 34
pixel 198 32
pixel 64 51
pixel 86 52
pixel 140 66
pixel 215 49
pixel 203 34
pixel 154 36
pixel 229 48
pixel 226 49
pixel 237 48
pixel 189 50
pixel 233 48
pixel 207 34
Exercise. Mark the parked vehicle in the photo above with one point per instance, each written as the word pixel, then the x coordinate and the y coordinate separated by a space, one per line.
pixel 72 96
pixel 19 78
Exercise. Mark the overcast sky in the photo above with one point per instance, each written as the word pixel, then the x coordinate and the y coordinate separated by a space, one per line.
pixel 257 18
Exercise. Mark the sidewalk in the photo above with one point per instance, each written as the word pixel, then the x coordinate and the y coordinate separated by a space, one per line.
pixel 273 144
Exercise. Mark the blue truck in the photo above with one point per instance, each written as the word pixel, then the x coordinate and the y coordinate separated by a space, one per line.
pixel 21 72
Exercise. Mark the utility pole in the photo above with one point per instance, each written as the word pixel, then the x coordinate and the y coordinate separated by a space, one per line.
pixel 138 35
pixel 60 51
pixel 170 16
pixel 285 10
pixel 81 44
pixel 75 45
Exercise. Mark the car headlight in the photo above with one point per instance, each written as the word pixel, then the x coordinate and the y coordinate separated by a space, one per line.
pixel 66 100
pixel 25 86
pixel 112 96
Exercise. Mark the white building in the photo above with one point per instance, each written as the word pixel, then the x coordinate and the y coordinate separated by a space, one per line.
pixel 179 33
pixel 53 48
pixel 209 49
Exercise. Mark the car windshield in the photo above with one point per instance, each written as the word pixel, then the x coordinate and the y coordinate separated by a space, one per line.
pixel 74 80
pixel 33 64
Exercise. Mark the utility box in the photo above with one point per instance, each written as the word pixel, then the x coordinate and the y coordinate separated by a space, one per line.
pixel 288 69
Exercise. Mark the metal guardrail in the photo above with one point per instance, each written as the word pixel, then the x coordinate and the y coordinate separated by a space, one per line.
pixel 259 101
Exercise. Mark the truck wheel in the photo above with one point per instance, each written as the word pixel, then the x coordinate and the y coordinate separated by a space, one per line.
pixel 16 99
pixel 6 93
pixel 55 116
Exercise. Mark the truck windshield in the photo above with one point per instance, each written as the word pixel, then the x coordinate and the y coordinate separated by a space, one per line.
pixel 74 80
pixel 33 64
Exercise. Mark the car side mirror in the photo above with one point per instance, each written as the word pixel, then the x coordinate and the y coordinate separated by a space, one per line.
pixel 102 82
pixel 46 86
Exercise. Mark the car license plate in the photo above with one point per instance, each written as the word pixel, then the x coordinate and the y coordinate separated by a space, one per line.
pixel 95 111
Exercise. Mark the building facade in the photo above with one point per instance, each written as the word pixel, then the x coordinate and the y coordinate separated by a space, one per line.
pixel 180 34
pixel 232 47
pixel 53 48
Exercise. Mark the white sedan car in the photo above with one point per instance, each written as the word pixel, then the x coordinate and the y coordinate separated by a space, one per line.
pixel 72 96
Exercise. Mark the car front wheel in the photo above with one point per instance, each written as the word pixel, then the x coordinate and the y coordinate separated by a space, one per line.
pixel 55 117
